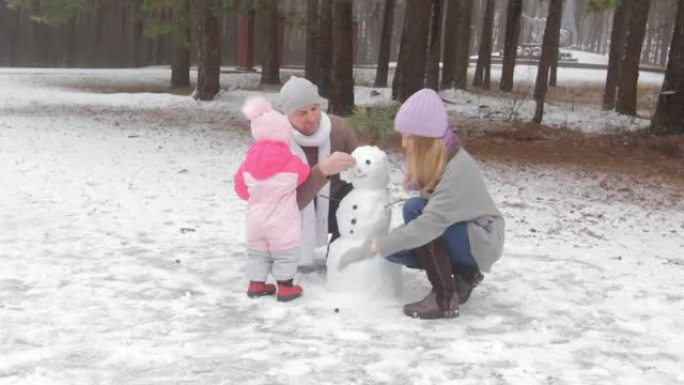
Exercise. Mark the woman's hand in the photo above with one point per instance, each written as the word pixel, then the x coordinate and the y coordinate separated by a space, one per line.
pixel 374 247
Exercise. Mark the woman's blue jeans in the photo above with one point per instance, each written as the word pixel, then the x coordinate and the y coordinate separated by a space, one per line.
pixel 455 239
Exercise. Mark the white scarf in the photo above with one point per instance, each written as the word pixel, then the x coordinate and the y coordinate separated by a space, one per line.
pixel 314 218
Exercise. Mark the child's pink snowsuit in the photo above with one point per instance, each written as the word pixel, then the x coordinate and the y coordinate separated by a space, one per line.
pixel 268 180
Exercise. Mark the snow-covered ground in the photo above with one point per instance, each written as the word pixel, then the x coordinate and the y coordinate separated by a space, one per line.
pixel 576 114
pixel 113 87
pixel 121 262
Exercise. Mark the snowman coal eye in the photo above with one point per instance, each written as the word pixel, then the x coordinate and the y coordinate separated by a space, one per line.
pixel 368 161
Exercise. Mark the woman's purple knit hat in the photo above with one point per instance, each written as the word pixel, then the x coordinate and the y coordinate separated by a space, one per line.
pixel 422 114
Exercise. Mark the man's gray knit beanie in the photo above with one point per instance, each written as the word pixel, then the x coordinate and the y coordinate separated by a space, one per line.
pixel 297 93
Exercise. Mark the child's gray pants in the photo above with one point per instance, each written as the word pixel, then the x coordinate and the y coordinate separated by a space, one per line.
pixel 281 264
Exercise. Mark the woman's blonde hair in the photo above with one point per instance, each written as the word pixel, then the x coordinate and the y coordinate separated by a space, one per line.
pixel 426 161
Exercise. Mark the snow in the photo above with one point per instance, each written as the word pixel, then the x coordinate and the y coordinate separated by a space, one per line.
pixel 587 57
pixel 576 115
pixel 579 117
pixel 122 262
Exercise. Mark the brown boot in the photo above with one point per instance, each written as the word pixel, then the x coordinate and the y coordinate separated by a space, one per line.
pixel 466 278
pixel 415 307
pixel 442 302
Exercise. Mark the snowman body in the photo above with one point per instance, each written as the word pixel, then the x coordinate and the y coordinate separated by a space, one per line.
pixel 364 214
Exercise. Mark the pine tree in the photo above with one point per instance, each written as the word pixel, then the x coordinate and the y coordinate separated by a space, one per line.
pixel 669 114
pixel 549 45
pixel 513 15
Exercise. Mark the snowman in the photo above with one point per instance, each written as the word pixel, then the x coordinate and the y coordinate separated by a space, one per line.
pixel 364 214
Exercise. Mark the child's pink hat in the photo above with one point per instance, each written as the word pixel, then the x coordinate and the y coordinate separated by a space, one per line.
pixel 266 123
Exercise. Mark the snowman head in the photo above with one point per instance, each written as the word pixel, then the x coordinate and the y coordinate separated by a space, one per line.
pixel 371 170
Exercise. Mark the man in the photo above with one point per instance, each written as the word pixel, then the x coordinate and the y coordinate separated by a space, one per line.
pixel 324 142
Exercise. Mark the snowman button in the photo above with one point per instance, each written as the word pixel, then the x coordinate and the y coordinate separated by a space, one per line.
pixel 353 221
pixel 355 207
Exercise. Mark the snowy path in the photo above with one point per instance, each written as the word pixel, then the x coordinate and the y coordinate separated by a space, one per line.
pixel 121 263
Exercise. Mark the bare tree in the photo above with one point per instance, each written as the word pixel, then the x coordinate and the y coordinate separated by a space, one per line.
pixel 511 44
pixel 465 18
pixel 245 38
pixel 208 50
pixel 385 44
pixel 325 48
pixel 270 71
pixel 14 39
pixel 549 45
pixel 627 93
pixel 435 45
pixel 311 66
pixel 484 58
pixel 449 45
pixel 669 114
pixel 553 69
pixel 410 74
pixel 617 46
pixel 342 98
pixel 181 35
pixel 665 34
pixel 71 44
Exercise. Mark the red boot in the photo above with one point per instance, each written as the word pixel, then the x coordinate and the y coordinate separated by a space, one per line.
pixel 287 291
pixel 258 289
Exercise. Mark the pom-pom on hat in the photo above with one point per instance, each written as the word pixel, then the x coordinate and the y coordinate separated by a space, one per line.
pixel 422 114
pixel 266 123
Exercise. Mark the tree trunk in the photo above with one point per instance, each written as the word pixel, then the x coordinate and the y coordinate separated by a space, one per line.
pixel 648 38
pixel 484 57
pixel 606 33
pixel 617 47
pixel 99 41
pixel 465 18
pixel 669 114
pixel 270 71
pixel 208 52
pixel 599 33
pixel 500 26
pixel 71 44
pixel 553 71
pixel 435 45
pixel 511 45
pixel 311 63
pixel 342 98
pixel 180 67
pixel 410 74
pixel 627 93
pixel 137 35
pixel 449 46
pixel 665 36
pixel 122 56
pixel 549 45
pixel 245 39
pixel 325 48
pixel 14 39
pixel 385 45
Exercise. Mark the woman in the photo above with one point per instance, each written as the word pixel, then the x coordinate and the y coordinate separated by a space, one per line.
pixel 453 230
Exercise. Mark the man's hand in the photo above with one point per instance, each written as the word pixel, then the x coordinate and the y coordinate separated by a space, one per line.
pixel 355 254
pixel 335 162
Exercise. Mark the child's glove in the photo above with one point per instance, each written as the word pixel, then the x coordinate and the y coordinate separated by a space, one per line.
pixel 355 254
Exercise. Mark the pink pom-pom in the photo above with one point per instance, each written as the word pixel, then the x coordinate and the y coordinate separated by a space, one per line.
pixel 255 107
